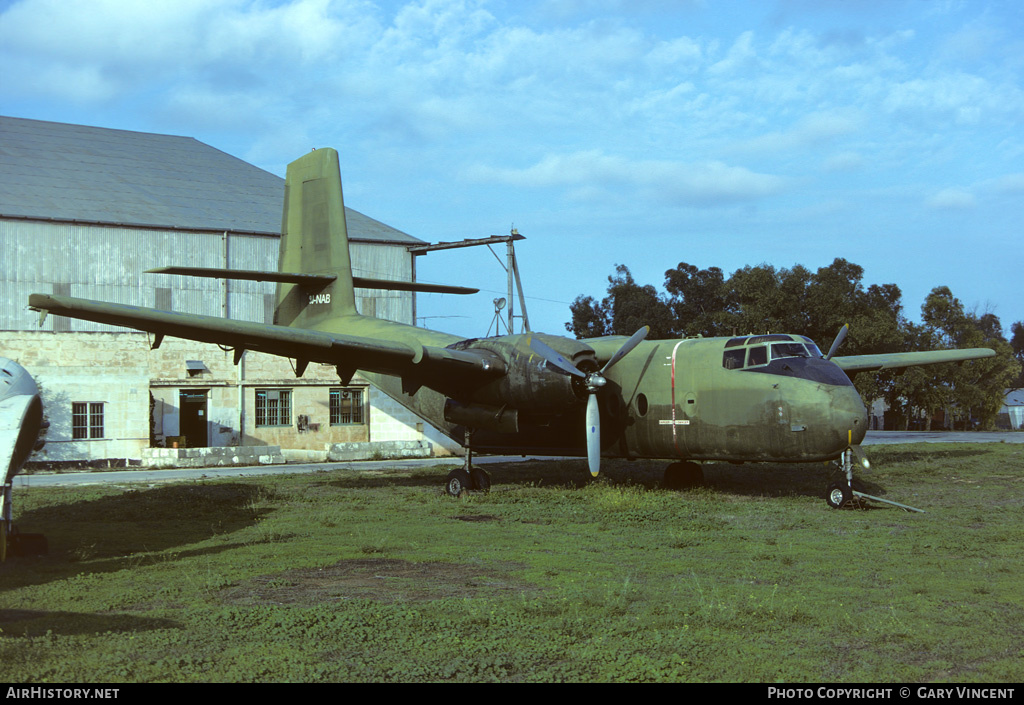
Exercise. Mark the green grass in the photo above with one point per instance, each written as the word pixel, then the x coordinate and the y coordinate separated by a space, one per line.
pixel 339 576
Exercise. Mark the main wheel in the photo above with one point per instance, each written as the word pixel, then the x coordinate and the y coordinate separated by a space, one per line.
pixel 458 482
pixel 480 480
pixel 838 495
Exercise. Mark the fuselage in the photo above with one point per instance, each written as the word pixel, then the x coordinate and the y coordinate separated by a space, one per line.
pixel 742 399
pixel 751 398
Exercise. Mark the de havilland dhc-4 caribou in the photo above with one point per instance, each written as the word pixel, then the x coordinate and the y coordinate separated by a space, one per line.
pixel 742 399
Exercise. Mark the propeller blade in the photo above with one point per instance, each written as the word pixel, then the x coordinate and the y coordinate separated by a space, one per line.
pixel 593 435
pixel 554 357
pixel 628 346
pixel 838 341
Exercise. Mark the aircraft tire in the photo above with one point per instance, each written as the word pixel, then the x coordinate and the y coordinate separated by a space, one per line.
pixel 480 480
pixel 458 482
pixel 838 494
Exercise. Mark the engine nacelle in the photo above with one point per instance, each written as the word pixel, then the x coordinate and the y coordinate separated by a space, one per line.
pixel 530 383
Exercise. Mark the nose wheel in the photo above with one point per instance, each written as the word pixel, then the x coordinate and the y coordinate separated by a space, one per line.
pixel 839 493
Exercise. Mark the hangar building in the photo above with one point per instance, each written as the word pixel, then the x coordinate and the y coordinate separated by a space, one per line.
pixel 84 211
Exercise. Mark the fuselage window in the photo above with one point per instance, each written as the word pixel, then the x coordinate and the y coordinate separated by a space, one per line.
pixel 733 359
pixel 757 356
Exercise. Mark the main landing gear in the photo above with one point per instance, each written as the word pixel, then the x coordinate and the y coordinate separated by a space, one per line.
pixel 467 477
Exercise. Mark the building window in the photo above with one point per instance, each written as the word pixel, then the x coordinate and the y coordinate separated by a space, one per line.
pixel 86 419
pixel 273 407
pixel 346 407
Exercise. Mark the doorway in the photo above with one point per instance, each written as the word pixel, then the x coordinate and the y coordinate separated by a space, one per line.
pixel 193 418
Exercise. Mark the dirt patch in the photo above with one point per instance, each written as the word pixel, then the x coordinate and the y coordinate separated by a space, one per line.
pixel 381 579
pixel 478 517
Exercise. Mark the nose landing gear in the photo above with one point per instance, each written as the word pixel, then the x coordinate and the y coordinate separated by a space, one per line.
pixel 841 494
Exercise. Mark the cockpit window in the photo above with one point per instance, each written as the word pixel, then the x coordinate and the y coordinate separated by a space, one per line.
pixel 757 356
pixel 733 359
pixel 781 350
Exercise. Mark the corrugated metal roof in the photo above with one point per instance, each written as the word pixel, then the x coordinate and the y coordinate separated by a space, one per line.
pixel 52 170
pixel 1014 397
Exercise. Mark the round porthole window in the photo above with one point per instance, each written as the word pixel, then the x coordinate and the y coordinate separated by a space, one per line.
pixel 641 405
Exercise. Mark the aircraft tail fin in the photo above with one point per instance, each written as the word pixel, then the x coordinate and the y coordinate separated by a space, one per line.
pixel 314 241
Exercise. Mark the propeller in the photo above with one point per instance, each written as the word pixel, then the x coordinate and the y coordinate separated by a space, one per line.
pixel 840 337
pixel 593 381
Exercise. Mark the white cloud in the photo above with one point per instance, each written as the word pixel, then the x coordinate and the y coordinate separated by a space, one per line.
pixel 1007 184
pixel 964 98
pixel 844 161
pixel 594 175
pixel 952 199
pixel 810 131
pixel 740 56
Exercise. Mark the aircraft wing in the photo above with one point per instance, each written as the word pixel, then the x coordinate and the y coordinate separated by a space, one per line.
pixel 889 361
pixel 347 352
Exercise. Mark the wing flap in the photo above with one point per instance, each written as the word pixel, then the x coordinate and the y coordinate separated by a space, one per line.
pixel 889 361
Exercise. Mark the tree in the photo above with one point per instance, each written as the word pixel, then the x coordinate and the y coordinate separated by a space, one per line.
pixel 589 318
pixel 769 299
pixel 978 389
pixel 1017 345
pixel 699 300
pixel 916 393
pixel 627 308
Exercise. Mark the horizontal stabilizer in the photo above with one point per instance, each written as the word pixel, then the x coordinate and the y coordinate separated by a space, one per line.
pixel 311 281
pixel 306 280
pixel 392 285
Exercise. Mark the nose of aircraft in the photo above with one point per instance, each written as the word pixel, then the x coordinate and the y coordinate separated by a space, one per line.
pixel 848 416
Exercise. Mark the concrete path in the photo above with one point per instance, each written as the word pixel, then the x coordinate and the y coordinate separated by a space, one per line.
pixel 151 476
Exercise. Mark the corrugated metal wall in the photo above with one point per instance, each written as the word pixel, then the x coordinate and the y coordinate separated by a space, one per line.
pixel 107 263
pixel 383 262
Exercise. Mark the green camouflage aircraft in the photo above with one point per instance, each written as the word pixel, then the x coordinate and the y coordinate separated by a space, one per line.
pixel 742 399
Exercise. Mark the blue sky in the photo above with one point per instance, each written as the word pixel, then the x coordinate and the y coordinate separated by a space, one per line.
pixel 887 132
